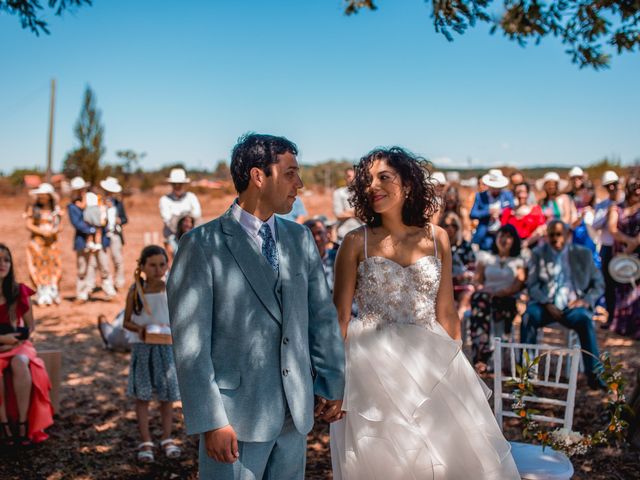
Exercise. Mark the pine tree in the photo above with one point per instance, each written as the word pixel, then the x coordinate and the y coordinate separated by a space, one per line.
pixel 85 159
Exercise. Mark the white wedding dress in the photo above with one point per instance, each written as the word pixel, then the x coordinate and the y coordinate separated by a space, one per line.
pixel 415 408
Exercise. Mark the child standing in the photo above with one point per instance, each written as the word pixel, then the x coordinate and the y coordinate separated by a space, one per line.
pixel 152 371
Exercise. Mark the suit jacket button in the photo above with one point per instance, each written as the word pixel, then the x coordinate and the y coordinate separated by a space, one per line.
pixel 285 340
pixel 285 372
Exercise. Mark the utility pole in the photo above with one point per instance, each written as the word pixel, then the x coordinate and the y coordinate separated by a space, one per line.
pixel 52 106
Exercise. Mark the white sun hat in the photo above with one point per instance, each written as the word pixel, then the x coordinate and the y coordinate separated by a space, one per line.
pixel 438 178
pixel 111 185
pixel 78 183
pixel 551 177
pixel 609 177
pixel 45 189
pixel 576 172
pixel 495 179
pixel 178 175
pixel 625 268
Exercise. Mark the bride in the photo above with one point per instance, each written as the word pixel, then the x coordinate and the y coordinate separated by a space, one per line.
pixel 414 407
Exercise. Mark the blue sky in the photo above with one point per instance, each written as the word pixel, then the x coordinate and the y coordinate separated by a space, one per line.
pixel 182 80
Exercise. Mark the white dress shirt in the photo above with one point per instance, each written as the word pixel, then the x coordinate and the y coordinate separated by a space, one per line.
pixel 252 224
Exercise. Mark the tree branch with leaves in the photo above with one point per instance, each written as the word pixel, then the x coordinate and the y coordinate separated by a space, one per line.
pixel 591 29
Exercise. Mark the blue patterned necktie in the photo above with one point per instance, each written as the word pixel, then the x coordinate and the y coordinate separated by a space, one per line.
pixel 269 249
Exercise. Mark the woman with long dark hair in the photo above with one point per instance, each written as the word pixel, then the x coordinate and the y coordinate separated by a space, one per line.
pixel 414 406
pixel 25 406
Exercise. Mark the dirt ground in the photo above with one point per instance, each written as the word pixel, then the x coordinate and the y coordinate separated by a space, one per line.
pixel 95 433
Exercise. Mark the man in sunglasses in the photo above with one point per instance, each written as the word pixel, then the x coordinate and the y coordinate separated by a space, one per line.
pixel 564 285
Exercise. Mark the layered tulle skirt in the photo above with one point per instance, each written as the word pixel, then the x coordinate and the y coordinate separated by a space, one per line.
pixel 416 409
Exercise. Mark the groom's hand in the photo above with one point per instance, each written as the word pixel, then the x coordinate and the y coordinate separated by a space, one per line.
pixel 222 444
pixel 328 410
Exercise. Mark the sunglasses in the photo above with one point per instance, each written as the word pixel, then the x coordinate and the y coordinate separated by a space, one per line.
pixel 556 234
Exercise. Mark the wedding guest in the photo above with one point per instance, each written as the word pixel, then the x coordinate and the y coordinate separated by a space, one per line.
pixel 516 178
pixel 526 217
pixel 500 276
pixel 583 232
pixel 327 254
pixel 624 225
pixel 343 211
pixel 43 256
pixel 554 204
pixel 452 203
pixel 116 219
pixel 87 260
pixel 25 406
pixel 178 203
pixel 577 178
pixel 463 262
pixel 610 182
pixel 564 286
pixel 185 224
pixel 439 180
pixel 488 207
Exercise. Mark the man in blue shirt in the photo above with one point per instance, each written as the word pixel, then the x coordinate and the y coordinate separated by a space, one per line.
pixel 488 206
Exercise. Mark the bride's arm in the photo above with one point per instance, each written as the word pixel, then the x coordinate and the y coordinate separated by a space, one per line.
pixel 446 313
pixel 345 277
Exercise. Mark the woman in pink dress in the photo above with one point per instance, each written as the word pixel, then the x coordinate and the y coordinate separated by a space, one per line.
pixel 25 406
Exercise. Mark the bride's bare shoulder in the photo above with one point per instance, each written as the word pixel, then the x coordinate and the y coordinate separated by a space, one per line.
pixel 353 242
pixel 441 239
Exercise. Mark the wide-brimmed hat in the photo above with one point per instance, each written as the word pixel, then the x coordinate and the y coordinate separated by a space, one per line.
pixel 576 172
pixel 625 268
pixel 495 179
pixel 178 175
pixel 438 178
pixel 551 177
pixel 609 177
pixel 78 183
pixel 111 185
pixel 44 189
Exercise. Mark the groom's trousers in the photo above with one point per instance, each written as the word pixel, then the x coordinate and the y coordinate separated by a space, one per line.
pixel 283 458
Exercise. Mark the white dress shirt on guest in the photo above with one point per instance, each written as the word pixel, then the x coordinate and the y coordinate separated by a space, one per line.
pixel 173 208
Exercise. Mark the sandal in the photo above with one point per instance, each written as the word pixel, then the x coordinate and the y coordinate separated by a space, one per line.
pixel 171 450
pixel 22 439
pixel 144 455
pixel 6 435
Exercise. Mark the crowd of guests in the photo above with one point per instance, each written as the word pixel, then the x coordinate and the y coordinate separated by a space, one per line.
pixel 550 252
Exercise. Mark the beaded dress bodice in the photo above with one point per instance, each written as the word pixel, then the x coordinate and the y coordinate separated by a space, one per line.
pixel 388 293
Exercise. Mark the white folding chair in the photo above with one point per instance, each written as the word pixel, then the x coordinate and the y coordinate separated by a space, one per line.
pixel 533 462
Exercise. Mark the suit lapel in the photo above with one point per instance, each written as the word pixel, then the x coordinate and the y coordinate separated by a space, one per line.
pixel 254 266
pixel 289 257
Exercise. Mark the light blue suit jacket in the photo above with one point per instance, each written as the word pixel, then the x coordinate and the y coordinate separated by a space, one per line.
pixel 249 344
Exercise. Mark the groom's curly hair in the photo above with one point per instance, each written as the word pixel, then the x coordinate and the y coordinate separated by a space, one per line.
pixel 414 171
pixel 255 150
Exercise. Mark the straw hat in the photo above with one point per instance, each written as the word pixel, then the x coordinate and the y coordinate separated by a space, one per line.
pixel 178 175
pixel 625 268
pixel 551 177
pixel 495 179
pixel 78 183
pixel 44 189
pixel 609 177
pixel 111 185
pixel 576 172
pixel 438 178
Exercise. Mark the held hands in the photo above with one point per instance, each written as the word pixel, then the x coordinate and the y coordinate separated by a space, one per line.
pixel 10 339
pixel 222 444
pixel 328 410
pixel 554 312
pixel 578 303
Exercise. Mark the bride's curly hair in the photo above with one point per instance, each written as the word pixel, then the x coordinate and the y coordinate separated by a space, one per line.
pixel 422 201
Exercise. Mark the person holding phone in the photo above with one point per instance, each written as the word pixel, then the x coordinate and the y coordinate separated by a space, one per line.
pixel 25 405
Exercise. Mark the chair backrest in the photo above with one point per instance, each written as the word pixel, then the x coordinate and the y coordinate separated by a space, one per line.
pixel 547 373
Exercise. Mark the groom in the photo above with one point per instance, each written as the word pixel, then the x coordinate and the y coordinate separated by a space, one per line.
pixel 255 333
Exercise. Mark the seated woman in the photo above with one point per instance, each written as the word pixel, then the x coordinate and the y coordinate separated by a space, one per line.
pixel 527 218
pixel 25 406
pixel 500 275
pixel 463 263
